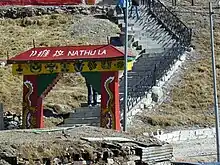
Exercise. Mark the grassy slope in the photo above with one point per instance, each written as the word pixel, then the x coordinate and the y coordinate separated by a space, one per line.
pixel 54 30
pixel 190 102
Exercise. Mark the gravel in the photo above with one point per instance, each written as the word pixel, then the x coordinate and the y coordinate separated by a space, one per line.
pixel 93 30
pixel 48 143
pixel 202 150
pixel 72 133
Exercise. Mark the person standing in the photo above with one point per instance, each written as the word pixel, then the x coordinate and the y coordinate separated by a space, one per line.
pixel 92 95
pixel 135 4
pixel 122 5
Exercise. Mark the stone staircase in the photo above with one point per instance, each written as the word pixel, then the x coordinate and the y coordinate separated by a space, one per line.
pixel 160 39
pixel 160 43
pixel 83 116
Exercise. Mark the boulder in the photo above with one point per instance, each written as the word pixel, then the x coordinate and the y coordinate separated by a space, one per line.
pixel 157 93
pixel 12 121
pixel 110 13
pixel 147 101
pixel 2 64
pixel 110 161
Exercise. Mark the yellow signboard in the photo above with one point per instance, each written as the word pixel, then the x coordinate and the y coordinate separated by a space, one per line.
pixel 69 67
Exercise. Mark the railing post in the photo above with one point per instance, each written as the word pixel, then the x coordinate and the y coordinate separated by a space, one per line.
pixel 173 2
pixel 154 75
pixel 149 4
pixel 1 117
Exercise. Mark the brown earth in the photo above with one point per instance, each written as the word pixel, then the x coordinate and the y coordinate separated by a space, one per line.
pixel 190 100
pixel 32 145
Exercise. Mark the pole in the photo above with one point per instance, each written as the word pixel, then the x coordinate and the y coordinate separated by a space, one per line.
pixel 1 117
pixel 126 69
pixel 214 81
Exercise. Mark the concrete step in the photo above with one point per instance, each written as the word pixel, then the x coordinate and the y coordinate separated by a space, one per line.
pixel 82 121
pixel 85 114
pixel 131 85
pixel 145 67
pixel 136 91
pixel 86 109
pixel 131 28
pixel 72 125
pixel 149 44
pixel 148 59
pixel 138 73
pixel 152 56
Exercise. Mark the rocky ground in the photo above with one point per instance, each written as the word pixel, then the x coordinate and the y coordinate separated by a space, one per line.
pixel 203 150
pixel 188 98
pixel 67 145
pixel 189 102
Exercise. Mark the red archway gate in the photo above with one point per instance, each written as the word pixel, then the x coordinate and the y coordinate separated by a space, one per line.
pixel 42 67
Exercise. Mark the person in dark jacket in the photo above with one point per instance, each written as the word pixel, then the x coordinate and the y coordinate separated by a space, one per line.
pixel 135 4
pixel 122 5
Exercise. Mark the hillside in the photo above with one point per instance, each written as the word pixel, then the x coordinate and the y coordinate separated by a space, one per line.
pixel 48 30
pixel 189 102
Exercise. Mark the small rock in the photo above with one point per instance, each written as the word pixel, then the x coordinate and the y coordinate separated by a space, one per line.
pixel 59 11
pixel 13 125
pixel 85 12
pixel 56 161
pixel 110 161
pixel 182 58
pixel 59 108
pixel 2 64
pixel 133 157
pixel 141 106
pixel 129 163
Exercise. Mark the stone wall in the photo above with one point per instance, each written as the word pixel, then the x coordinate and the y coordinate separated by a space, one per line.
pixel 12 121
pixel 21 12
pixel 155 95
pixel 183 135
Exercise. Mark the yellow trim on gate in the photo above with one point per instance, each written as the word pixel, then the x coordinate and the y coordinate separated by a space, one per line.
pixel 69 67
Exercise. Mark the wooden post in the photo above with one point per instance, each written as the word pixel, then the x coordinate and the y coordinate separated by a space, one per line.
pixel 110 112
pixel 1 117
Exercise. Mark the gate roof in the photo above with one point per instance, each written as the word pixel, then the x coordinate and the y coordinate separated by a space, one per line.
pixel 68 53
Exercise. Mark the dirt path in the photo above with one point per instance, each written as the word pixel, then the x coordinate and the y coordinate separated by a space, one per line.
pixel 195 150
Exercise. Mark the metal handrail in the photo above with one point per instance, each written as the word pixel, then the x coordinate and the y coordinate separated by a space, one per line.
pixel 173 18
pixel 182 42
pixel 173 14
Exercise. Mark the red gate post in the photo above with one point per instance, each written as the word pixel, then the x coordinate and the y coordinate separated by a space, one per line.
pixel 32 114
pixel 110 110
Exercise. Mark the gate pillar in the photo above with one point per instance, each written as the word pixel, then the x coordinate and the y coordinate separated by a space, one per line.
pixel 110 110
pixel 32 113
